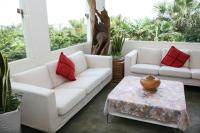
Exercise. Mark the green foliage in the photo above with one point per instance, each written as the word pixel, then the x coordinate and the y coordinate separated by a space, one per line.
pixel 12 42
pixel 69 35
pixel 184 15
pixel 146 29
pixel 117 44
pixel 8 101
pixel 120 24
pixel 176 21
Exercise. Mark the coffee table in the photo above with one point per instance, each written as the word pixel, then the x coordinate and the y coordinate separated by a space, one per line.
pixel 165 107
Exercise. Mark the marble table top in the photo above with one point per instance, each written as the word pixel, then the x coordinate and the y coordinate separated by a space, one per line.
pixel 166 105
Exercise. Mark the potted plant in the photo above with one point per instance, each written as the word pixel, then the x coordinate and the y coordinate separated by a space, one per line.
pixel 10 118
pixel 117 43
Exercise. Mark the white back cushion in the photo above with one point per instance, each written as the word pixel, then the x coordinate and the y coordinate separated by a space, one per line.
pixel 38 76
pixel 149 56
pixel 56 79
pixel 195 59
pixel 165 51
pixel 79 61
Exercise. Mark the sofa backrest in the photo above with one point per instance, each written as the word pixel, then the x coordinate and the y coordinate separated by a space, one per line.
pixel 38 76
pixel 130 45
pixel 154 56
pixel 56 79
pixel 149 56
pixel 45 76
pixel 195 59
pixel 79 61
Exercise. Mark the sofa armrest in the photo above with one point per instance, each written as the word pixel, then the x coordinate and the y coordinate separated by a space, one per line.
pixel 38 106
pixel 130 59
pixel 96 61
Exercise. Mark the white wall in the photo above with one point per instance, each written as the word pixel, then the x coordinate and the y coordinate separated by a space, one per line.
pixel 131 44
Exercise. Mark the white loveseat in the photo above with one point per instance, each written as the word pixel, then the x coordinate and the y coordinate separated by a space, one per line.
pixel 143 61
pixel 49 101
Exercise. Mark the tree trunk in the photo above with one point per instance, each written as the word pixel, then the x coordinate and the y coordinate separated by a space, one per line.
pixel 100 28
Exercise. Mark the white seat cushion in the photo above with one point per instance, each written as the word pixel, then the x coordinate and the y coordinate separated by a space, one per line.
pixel 145 69
pixel 84 83
pixel 79 61
pixel 56 79
pixel 195 59
pixel 149 56
pixel 195 73
pixel 101 73
pixel 38 76
pixel 165 51
pixel 67 98
pixel 182 72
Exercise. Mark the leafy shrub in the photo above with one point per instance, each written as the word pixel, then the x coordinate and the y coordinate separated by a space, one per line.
pixel 12 40
pixel 176 21
pixel 69 35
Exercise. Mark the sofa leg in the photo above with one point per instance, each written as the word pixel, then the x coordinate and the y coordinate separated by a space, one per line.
pixel 108 120
pixel 107 116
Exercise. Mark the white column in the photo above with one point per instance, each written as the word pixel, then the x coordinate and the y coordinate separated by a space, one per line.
pixel 36 28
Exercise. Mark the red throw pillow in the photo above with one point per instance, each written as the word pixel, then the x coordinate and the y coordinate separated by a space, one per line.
pixel 175 58
pixel 66 68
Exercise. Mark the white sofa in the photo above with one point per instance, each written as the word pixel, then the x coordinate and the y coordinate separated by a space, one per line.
pixel 143 61
pixel 49 101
